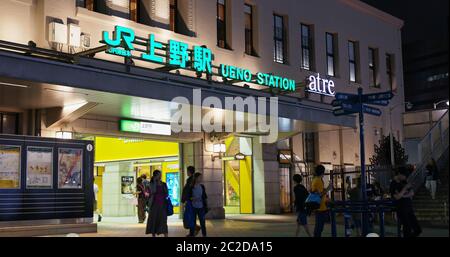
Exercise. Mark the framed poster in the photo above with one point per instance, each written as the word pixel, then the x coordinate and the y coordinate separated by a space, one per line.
pixel 127 185
pixel 39 167
pixel 70 168
pixel 9 167
pixel 173 184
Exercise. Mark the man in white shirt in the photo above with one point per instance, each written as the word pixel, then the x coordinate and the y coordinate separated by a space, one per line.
pixel 95 202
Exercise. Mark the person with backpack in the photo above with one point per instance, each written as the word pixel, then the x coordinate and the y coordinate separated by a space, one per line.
pixel 157 205
pixel 317 187
pixel 197 196
pixel 188 213
pixel 300 193
pixel 142 196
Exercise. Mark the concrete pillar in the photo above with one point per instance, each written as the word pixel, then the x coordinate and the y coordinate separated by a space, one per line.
pixel 271 178
pixel 212 179
pixel 259 198
pixel 114 203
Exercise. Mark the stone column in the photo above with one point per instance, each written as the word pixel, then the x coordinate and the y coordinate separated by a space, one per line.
pixel 114 203
pixel 271 178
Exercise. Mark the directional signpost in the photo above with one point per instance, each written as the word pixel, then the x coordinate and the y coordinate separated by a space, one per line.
pixel 349 104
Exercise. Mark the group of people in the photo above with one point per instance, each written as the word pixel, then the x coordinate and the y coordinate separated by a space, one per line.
pixel 153 196
pixel 401 192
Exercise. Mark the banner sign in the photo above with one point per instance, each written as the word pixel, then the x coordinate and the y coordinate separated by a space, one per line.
pixel 178 55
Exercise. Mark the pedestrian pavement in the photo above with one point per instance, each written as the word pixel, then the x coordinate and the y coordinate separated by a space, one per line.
pixel 233 226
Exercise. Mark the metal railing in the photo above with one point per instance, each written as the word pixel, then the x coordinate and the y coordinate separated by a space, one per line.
pixel 432 145
pixel 371 207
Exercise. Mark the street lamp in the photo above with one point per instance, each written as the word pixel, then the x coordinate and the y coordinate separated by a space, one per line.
pixel 435 105
pixel 409 105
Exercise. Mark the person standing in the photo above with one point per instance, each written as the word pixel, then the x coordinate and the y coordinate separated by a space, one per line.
pixel 197 195
pixel 300 193
pixel 355 195
pixel 188 213
pixel 432 176
pixel 402 193
pixel 317 186
pixel 142 196
pixel 157 205
pixel 96 190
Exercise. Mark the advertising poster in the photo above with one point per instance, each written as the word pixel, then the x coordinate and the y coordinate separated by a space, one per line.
pixel 127 184
pixel 173 183
pixel 39 167
pixel 9 167
pixel 70 168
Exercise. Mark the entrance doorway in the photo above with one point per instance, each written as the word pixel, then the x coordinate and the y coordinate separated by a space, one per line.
pixel 118 164
pixel 238 176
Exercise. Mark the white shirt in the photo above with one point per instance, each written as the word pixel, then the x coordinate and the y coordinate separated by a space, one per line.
pixel 95 191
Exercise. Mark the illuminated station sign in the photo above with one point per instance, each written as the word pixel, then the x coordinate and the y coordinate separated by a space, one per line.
pixel 177 54
pixel 318 85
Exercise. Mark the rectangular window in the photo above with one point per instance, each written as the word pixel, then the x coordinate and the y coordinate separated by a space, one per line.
pixel 279 39
pixel 80 3
pixel 173 15
pixel 373 69
pixel 221 24
pixel 390 71
pixel 307 47
pixel 134 10
pixel 331 54
pixel 352 55
pixel 249 49
pixel 88 4
pixel 9 123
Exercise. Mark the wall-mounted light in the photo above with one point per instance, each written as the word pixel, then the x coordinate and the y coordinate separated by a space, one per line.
pixel 219 149
pixel 64 134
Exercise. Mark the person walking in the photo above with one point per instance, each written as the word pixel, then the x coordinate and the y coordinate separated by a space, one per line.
pixel 142 197
pixel 402 193
pixel 317 186
pixel 300 193
pixel 188 213
pixel 197 195
pixel 95 191
pixel 432 176
pixel 157 205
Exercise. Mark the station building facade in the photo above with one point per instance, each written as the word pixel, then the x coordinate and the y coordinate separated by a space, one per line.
pixel 102 72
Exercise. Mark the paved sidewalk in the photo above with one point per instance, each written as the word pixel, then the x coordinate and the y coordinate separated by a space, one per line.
pixel 232 226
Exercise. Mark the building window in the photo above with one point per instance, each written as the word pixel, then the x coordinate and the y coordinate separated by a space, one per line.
pixel 307 47
pixel 173 15
pixel 88 4
pixel 134 10
pixel 309 147
pixel 373 68
pixel 352 56
pixel 222 24
pixel 331 54
pixel 9 123
pixel 279 39
pixel 249 46
pixel 390 71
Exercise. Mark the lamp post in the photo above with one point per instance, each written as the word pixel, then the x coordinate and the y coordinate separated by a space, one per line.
pixel 440 102
pixel 391 138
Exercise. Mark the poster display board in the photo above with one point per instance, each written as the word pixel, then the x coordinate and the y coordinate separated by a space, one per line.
pixel 9 167
pixel 39 167
pixel 127 185
pixel 70 163
pixel 173 184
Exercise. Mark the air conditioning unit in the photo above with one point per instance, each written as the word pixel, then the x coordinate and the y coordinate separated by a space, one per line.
pixel 74 35
pixel 57 33
pixel 85 40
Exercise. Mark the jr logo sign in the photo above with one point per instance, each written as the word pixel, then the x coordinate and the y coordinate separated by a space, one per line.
pixel 123 36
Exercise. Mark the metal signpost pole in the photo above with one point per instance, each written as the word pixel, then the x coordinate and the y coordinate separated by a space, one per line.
pixel 365 225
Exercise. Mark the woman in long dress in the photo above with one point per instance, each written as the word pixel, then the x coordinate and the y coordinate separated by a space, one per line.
pixel 157 221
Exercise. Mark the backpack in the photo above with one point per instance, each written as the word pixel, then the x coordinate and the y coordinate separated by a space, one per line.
pixel 313 201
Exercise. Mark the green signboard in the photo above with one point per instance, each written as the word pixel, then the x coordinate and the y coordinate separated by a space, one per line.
pixel 177 54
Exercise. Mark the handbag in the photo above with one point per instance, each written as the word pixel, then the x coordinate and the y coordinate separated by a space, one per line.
pixel 313 201
pixel 169 206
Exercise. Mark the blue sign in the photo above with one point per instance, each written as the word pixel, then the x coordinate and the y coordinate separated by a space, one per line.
pixel 379 102
pixel 173 184
pixel 341 112
pixel 371 110
pixel 346 97
pixel 378 96
pixel 350 107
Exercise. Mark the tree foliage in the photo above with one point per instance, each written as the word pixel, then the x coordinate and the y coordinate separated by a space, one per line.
pixel 382 155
